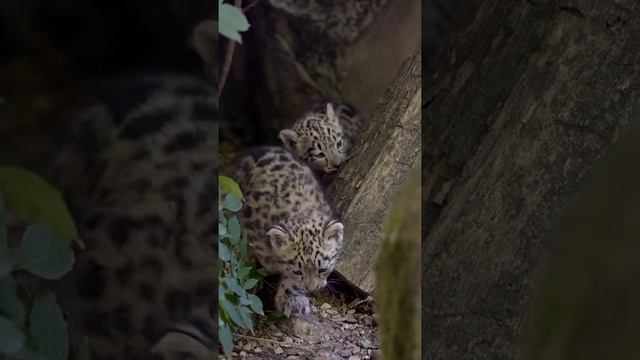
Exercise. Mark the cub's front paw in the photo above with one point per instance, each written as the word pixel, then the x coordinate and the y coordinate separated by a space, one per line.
pixel 293 304
pixel 290 300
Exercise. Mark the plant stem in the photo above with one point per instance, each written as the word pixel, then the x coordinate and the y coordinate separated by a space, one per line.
pixel 228 57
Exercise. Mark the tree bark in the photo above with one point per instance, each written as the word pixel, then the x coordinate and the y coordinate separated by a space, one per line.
pixel 366 186
pixel 588 307
pixel 517 117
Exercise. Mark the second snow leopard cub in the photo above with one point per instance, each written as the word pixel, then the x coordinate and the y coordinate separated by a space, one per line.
pixel 290 225
pixel 324 136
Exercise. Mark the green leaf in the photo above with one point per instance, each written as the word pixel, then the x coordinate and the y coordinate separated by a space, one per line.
pixel 245 313
pixel 242 246
pixel 222 230
pixel 225 338
pixel 233 285
pixel 232 203
pixel 233 227
pixel 232 311
pixel 36 200
pixel 83 353
pixel 243 271
pixel 11 338
pixel 229 186
pixel 256 304
pixel 223 252
pixel 44 253
pixel 231 21
pixel 263 272
pixel 250 283
pixel 48 328
pixel 10 304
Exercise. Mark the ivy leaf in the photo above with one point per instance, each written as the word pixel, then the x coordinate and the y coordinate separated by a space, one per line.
pixel 245 314
pixel 48 328
pixel 243 272
pixel 233 285
pixel 263 272
pixel 222 230
pixel 223 252
pixel 256 304
pixel 234 315
pixel 231 21
pixel 225 338
pixel 233 227
pixel 229 186
pixel 232 203
pixel 250 283
pixel 36 200
pixel 11 338
pixel 10 304
pixel 45 254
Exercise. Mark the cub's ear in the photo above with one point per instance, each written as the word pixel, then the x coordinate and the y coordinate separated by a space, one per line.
pixel 289 139
pixel 331 113
pixel 333 234
pixel 280 241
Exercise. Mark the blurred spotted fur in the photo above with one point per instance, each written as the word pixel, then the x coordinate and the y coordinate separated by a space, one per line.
pixel 141 180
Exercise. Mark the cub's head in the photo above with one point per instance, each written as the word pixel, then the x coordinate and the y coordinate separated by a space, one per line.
pixel 307 252
pixel 317 139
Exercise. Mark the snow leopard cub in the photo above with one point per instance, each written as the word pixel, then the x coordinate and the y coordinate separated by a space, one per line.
pixel 324 136
pixel 290 225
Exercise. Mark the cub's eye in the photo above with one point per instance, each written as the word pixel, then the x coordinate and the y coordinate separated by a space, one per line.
pixel 339 144
pixel 320 156
pixel 323 270
pixel 297 272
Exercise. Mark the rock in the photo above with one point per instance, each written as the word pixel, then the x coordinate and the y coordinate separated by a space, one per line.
pixel 345 353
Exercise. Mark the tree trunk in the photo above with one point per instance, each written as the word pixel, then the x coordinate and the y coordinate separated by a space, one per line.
pixel 368 182
pixel 589 306
pixel 517 117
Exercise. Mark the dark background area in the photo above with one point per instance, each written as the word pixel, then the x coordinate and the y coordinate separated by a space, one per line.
pixel 53 54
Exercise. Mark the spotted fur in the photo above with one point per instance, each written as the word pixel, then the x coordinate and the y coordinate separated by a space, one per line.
pixel 290 225
pixel 141 179
pixel 324 136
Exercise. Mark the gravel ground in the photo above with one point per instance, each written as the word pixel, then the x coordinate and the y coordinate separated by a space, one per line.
pixel 333 331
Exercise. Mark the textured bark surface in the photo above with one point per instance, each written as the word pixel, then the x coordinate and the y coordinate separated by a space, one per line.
pixel 300 52
pixel 588 307
pixel 367 184
pixel 530 100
